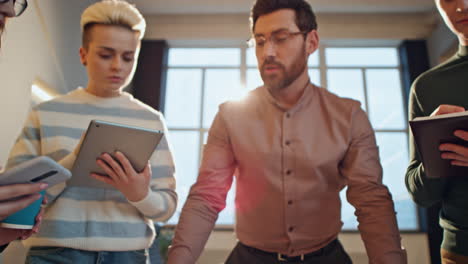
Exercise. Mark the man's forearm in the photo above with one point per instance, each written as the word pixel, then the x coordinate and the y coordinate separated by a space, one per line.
pixel 192 232
pixel 377 223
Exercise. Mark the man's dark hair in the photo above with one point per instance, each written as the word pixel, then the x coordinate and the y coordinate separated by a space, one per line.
pixel 305 17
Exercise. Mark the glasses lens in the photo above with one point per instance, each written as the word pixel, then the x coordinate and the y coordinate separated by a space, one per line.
pixel 20 6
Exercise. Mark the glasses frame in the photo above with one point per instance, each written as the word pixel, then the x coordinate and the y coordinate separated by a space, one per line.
pixel 251 43
pixel 18 5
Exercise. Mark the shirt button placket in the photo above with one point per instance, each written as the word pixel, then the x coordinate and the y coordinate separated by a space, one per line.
pixel 287 173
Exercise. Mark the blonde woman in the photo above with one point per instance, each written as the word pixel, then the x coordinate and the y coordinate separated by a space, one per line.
pixel 90 225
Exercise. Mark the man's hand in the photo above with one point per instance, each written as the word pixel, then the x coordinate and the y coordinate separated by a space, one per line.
pixel 122 176
pixel 447 109
pixel 27 193
pixel 458 155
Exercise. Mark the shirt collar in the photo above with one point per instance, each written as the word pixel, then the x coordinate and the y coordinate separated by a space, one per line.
pixel 463 51
pixel 305 97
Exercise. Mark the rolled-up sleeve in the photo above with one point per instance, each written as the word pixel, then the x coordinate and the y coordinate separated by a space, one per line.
pixel 372 200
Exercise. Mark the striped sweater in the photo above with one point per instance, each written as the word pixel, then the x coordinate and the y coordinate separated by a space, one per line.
pixel 89 218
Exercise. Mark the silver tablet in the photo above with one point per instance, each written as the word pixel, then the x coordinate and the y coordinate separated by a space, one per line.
pixel 39 169
pixel 136 143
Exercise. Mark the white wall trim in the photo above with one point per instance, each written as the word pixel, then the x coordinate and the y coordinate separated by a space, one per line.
pixel 331 26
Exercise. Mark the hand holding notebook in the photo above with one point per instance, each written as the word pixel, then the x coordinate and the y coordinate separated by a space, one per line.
pixel 442 141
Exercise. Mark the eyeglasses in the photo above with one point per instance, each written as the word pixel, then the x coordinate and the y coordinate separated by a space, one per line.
pixel 277 38
pixel 19 5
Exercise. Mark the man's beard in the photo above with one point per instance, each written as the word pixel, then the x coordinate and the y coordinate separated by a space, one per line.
pixel 283 78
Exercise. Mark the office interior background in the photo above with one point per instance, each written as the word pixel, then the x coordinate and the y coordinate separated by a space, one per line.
pixel 194 56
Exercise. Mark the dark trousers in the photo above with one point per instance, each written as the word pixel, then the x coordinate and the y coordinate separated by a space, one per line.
pixel 333 253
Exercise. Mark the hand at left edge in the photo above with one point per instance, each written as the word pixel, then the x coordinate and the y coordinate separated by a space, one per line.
pixel 10 234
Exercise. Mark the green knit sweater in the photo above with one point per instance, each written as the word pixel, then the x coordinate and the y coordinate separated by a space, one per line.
pixel 444 84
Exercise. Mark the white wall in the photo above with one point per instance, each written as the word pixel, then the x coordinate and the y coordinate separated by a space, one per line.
pixel 42 43
pixel 331 26
pixel 25 54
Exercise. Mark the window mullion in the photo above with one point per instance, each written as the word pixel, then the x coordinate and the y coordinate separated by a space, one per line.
pixel 323 67
pixel 202 110
pixel 366 94
pixel 243 68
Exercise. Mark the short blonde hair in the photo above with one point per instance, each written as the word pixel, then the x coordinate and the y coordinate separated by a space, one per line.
pixel 112 12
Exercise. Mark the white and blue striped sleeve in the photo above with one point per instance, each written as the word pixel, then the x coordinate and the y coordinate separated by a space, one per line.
pixel 161 202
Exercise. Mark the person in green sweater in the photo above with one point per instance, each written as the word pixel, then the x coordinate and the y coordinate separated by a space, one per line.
pixel 443 90
pixel 27 192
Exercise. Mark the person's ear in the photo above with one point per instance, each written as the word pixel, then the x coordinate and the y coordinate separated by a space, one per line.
pixel 83 56
pixel 312 41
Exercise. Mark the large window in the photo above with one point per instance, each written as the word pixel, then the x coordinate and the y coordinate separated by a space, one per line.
pixel 199 79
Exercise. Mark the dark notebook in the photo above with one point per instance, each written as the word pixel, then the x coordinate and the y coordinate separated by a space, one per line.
pixel 429 133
